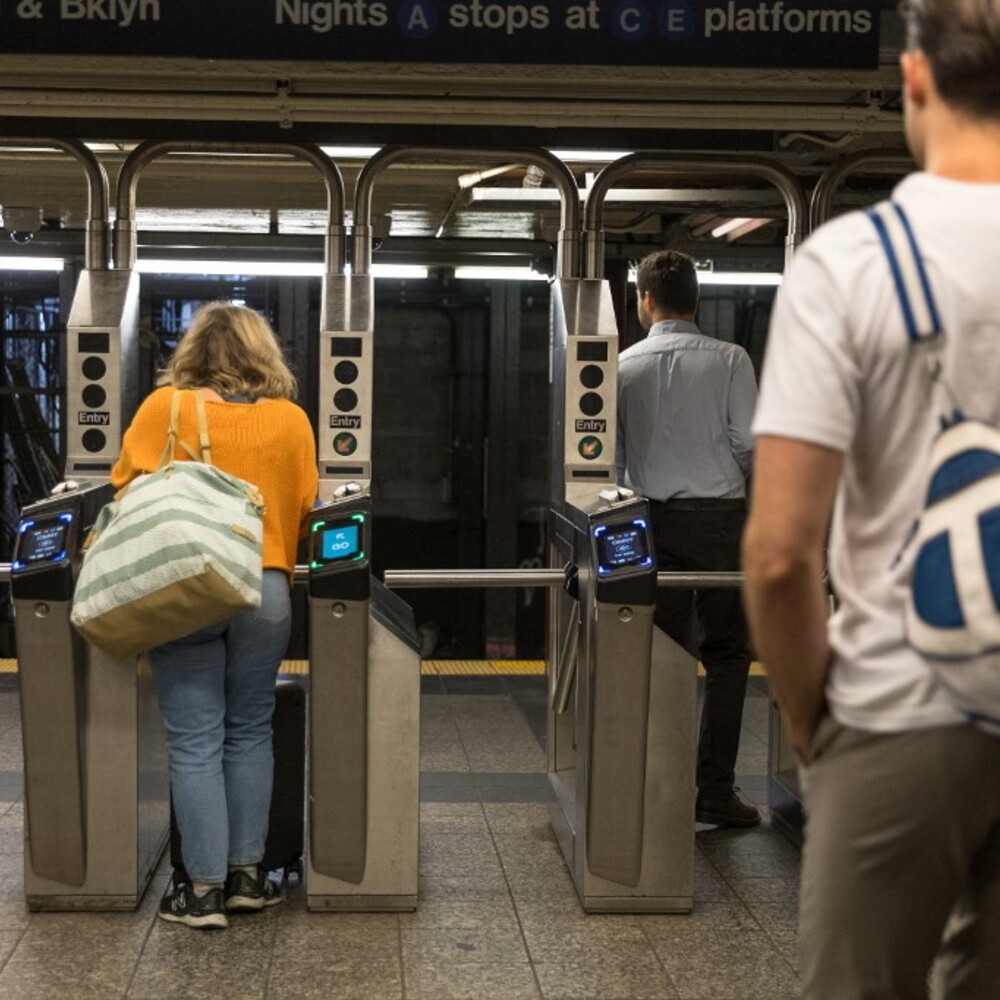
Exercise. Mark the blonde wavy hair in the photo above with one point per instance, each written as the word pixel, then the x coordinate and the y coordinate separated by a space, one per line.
pixel 232 350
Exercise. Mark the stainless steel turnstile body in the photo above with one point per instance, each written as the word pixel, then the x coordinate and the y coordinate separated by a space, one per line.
pixel 621 756
pixel 364 725
pixel 622 705
pixel 96 783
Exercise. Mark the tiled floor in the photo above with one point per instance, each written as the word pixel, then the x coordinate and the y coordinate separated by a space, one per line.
pixel 498 917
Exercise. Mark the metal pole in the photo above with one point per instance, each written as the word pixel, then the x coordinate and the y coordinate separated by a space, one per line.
pixel 505 578
pixel 538 578
pixel 125 233
pixel 98 197
pixel 685 166
pixel 836 173
pixel 568 250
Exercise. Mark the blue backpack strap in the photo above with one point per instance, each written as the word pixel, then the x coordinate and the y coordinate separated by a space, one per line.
pixel 920 312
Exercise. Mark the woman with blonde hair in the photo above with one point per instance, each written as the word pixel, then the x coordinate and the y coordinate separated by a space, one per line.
pixel 216 686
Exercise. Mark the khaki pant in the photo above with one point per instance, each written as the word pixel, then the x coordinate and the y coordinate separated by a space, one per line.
pixel 901 865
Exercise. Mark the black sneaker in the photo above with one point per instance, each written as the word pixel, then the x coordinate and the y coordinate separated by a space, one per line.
pixel 246 893
pixel 181 905
pixel 726 810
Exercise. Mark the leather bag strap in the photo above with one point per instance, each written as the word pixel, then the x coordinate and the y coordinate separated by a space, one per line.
pixel 173 434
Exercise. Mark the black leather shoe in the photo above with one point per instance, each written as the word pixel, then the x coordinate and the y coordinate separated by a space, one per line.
pixel 726 810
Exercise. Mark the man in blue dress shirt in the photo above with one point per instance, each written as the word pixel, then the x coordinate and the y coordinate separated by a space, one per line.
pixel 685 404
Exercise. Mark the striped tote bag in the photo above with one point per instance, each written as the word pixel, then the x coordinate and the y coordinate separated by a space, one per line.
pixel 178 549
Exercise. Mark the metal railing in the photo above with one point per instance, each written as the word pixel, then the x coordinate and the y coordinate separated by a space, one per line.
pixel 504 578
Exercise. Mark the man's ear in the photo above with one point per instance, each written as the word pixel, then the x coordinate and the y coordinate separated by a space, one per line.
pixel 916 76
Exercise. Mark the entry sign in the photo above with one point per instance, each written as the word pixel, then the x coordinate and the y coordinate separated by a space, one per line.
pixel 815 34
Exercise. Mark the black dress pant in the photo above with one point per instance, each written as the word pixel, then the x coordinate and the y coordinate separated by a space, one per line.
pixel 705 535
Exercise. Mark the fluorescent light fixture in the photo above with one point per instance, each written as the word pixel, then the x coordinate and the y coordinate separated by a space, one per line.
pixel 350 152
pixel 268 268
pixel 274 268
pixel 738 278
pixel 398 271
pixel 728 226
pixel 566 155
pixel 31 263
pixel 498 274
pixel 731 278
pixel 590 155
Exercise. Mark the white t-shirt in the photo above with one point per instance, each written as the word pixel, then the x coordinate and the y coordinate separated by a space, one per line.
pixel 841 372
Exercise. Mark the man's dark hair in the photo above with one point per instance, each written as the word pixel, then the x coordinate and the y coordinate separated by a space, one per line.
pixel 670 277
pixel 961 39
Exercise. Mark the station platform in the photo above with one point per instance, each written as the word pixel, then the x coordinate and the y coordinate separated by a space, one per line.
pixel 498 916
pixel 435 668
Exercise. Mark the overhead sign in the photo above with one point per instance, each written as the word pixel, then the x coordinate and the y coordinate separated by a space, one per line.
pixel 763 33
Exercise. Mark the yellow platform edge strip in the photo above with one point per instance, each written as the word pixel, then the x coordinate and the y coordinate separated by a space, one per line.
pixel 440 668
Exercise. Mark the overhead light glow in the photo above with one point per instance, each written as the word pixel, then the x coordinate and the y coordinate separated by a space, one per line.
pixel 31 263
pixel 498 274
pixel 350 152
pixel 738 278
pixel 268 268
pixel 398 271
pixel 728 226
pixel 731 278
pixel 590 155
pixel 273 268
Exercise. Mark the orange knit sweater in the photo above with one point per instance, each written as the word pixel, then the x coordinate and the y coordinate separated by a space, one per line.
pixel 268 443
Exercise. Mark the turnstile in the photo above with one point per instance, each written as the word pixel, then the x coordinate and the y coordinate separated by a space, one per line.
pixel 622 714
pixel 364 723
pixel 96 784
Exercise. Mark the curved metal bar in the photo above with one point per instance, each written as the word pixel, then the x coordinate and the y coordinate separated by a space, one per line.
pixel 834 175
pixel 567 666
pixel 124 242
pixel 568 250
pixel 783 179
pixel 537 578
pixel 98 196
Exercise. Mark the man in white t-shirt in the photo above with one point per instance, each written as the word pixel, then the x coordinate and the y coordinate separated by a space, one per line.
pixel 902 856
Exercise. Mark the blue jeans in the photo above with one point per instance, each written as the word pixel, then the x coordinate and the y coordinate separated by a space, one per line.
pixel 216 694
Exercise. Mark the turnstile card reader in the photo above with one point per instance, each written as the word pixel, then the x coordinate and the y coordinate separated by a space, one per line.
pixel 363 722
pixel 96 788
pixel 621 758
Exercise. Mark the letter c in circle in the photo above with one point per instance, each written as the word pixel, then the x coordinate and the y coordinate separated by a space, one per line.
pixel 630 20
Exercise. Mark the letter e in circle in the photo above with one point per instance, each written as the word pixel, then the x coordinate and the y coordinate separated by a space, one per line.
pixel 417 18
pixel 675 20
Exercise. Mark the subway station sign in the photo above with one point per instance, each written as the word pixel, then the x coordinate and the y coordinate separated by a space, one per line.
pixel 816 34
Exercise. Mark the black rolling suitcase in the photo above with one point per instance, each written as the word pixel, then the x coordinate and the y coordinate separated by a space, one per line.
pixel 285 835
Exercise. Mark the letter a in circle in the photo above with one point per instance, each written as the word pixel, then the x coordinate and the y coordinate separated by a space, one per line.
pixel 417 18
